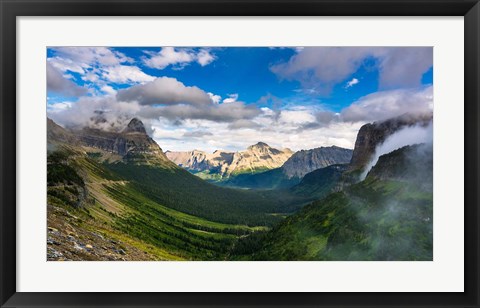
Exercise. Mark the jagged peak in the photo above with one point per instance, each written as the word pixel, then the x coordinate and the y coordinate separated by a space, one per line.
pixel 135 125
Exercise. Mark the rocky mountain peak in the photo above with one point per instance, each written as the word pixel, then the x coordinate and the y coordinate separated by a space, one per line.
pixel 259 145
pixel 136 126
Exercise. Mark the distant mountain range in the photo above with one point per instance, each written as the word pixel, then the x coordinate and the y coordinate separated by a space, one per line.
pixel 294 169
pixel 260 166
pixel 256 158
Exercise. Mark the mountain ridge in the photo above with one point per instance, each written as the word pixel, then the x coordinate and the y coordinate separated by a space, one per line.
pixel 257 157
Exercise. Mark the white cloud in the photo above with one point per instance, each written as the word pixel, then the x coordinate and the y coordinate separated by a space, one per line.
pixel 125 74
pixel 404 66
pixel 215 98
pixel 87 111
pixel 351 83
pixel 294 117
pixel 231 98
pixel 88 56
pixel 108 90
pixel 65 65
pixel 90 76
pixel 165 91
pixel 97 65
pixel 321 68
pixel 57 83
pixel 58 107
pixel 204 57
pixel 233 137
pixel 388 104
pixel 177 57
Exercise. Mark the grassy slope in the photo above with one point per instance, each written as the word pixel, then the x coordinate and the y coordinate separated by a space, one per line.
pixel 319 183
pixel 115 210
pixel 372 220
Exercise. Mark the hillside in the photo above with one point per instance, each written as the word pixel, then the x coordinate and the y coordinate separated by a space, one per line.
pixel 388 216
pixel 100 208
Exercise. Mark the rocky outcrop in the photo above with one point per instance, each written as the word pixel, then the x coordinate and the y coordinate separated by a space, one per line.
pixel 373 134
pixel 132 144
pixel 258 157
pixel 413 164
pixel 305 161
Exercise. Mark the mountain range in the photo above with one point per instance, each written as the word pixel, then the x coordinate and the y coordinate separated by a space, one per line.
pixel 294 169
pixel 256 158
pixel 115 195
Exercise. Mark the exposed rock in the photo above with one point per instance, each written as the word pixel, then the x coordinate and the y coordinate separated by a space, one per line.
pixel 371 135
pixel 135 126
pixel 132 144
pixel 305 161
pixel 257 157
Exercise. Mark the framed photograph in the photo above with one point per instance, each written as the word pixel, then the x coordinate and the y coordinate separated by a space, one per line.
pixel 226 153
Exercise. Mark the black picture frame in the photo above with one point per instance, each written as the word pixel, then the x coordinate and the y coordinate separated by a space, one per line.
pixel 10 10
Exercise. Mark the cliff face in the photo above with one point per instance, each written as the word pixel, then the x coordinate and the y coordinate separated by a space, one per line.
pixel 305 161
pixel 371 135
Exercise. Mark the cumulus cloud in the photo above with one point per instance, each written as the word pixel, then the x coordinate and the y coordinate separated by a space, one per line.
pixel 65 65
pixel 97 112
pixel 97 66
pixel 215 98
pixel 108 90
pixel 177 57
pixel 164 91
pixel 125 74
pixel 231 98
pixel 404 66
pixel 388 104
pixel 57 83
pixel 88 56
pixel 212 112
pixel 319 69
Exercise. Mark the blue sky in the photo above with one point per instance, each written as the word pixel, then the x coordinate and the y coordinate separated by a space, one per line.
pixel 225 98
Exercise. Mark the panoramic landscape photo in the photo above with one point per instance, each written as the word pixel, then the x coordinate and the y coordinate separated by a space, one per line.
pixel 239 154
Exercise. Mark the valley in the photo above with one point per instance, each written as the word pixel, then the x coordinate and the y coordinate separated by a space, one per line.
pixel 116 195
